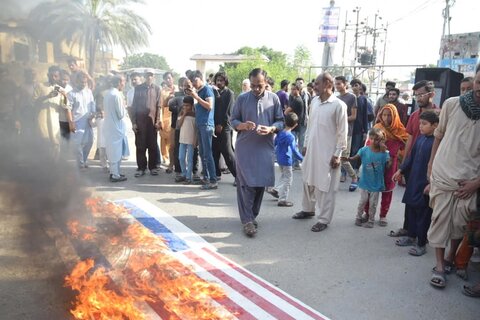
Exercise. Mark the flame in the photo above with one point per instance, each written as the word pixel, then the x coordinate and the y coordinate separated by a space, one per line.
pixel 95 300
pixel 81 232
pixel 151 274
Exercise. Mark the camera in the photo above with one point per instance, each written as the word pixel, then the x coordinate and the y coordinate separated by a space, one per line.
pixel 57 88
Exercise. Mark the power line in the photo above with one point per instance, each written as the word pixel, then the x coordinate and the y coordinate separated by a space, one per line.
pixel 419 8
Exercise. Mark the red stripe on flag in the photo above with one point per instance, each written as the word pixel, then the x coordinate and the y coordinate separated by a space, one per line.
pixel 265 285
pixel 245 291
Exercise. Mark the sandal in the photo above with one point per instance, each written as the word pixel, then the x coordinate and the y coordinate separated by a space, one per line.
pixel 383 222
pixel 462 274
pixel 399 233
pixel 449 266
pixel 405 242
pixel 438 279
pixel 368 224
pixel 319 227
pixel 303 215
pixel 471 291
pixel 353 186
pixel 417 251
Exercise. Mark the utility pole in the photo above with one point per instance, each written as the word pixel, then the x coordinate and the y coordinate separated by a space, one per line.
pixel 344 40
pixel 327 59
pixel 446 25
pixel 357 10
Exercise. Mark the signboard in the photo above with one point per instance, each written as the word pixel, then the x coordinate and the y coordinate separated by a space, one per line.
pixel 460 52
pixel 329 27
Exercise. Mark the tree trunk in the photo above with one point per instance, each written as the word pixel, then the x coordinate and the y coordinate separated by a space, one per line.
pixel 92 57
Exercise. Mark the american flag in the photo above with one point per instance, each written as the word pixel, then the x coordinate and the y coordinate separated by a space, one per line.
pixel 248 296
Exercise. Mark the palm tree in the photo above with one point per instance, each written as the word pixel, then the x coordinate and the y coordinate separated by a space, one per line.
pixel 92 24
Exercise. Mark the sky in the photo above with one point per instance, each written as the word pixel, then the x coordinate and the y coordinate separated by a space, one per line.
pixel 184 28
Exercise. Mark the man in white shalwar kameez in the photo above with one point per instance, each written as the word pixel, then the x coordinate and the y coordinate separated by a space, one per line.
pixel 325 139
pixel 114 127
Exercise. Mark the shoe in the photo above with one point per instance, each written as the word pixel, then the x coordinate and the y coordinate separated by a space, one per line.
pixel 353 186
pixel 180 179
pixel 368 224
pixel 140 173
pixel 417 251
pixel 168 171
pixel 255 223
pixel 285 204
pixel 209 186
pixel 317 227
pixel 249 229
pixel 303 215
pixel 343 178
pixel 471 292
pixel 187 182
pixel 196 177
pixel 405 242
pixel 120 179
pixel 358 222
pixel 273 192
pixel 297 167
pixel 219 178
pixel 154 172
pixel 383 222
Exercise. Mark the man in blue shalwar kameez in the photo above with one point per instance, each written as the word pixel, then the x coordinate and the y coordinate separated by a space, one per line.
pixel 256 115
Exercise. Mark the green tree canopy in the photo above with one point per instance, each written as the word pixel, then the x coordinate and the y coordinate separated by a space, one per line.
pixel 149 60
pixel 278 67
pixel 92 24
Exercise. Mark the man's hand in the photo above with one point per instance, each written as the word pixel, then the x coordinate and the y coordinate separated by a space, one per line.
pixel 248 125
pixel 427 189
pixel 467 188
pixel 218 129
pixel 264 130
pixel 397 176
pixel 71 126
pixel 335 162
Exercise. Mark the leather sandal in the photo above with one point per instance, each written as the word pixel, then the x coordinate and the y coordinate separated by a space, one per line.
pixel 303 215
pixel 317 227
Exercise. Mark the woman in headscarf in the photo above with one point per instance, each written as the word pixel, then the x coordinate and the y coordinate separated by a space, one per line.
pixel 388 120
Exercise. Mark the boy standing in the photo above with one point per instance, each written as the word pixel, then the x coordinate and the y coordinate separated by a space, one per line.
pixel 415 196
pixel 286 151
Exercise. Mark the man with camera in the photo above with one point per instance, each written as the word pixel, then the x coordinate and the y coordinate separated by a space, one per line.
pixel 50 101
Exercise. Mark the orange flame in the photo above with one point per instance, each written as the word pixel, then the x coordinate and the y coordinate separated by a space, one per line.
pixel 151 274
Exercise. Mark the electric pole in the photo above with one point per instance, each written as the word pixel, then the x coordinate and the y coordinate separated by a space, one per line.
pixel 357 10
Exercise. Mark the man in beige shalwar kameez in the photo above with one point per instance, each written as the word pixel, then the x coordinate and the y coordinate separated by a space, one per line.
pixel 455 175
pixel 325 139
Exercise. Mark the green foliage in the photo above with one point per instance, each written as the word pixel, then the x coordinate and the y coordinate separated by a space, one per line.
pixel 278 67
pixel 95 25
pixel 148 60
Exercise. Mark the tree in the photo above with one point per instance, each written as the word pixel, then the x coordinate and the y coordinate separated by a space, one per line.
pixel 301 59
pixel 277 67
pixel 92 24
pixel 149 60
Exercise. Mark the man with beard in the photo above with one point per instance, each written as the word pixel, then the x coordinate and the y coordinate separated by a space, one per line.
pixel 393 95
pixel 257 115
pixel 454 171
pixel 222 141
pixel 321 165
pixel 50 102
pixel 83 110
pixel 167 135
pixel 114 127
pixel 145 117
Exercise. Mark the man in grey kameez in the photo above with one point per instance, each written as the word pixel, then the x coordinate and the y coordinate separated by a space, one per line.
pixel 256 115
pixel 114 127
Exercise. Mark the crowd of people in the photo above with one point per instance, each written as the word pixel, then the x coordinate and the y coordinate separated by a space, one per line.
pixel 198 129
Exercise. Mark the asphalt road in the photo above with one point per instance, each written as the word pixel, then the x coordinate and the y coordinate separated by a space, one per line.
pixel 345 272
